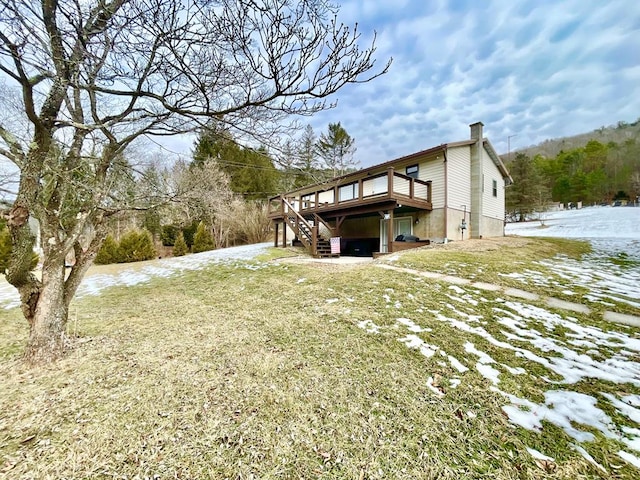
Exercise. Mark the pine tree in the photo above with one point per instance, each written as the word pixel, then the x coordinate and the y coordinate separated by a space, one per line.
pixel 202 240
pixel 336 148
pixel 136 247
pixel 307 157
pixel 528 191
pixel 108 252
pixel 180 247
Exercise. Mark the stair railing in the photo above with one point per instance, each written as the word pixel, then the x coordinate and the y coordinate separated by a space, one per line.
pixel 299 225
pixel 318 219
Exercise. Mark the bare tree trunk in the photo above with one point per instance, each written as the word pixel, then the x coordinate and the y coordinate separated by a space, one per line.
pixel 47 333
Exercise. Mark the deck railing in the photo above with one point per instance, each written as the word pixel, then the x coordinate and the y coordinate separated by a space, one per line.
pixel 390 184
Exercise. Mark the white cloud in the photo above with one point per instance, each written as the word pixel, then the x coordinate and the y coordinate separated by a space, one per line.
pixel 538 70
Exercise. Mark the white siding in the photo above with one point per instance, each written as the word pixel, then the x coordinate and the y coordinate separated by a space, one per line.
pixel 375 186
pixel 433 169
pixel 493 206
pixel 459 177
pixel 401 186
pixel 326 197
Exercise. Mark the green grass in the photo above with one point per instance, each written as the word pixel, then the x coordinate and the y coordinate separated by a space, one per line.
pixel 503 261
pixel 263 372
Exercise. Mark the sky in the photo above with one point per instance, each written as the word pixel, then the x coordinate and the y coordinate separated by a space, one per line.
pixel 529 70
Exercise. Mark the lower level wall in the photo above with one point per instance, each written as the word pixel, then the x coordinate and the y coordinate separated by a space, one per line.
pixel 431 225
pixel 492 227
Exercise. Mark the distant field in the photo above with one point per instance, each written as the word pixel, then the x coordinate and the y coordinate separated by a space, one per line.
pixel 269 368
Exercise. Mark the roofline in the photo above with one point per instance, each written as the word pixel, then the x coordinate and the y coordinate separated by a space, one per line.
pixel 373 167
pixel 439 148
pixel 497 161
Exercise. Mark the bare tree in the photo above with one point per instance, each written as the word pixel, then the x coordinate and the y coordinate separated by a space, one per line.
pixel 94 76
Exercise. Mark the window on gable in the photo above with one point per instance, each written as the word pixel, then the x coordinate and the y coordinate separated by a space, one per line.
pixel 412 171
pixel 495 188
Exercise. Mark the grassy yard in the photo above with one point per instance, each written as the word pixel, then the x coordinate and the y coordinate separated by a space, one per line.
pixel 277 369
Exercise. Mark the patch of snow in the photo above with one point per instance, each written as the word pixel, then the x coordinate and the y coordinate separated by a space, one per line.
pixel 539 456
pixel 413 327
pixel 455 363
pixel 624 407
pixel 488 372
pixel 631 438
pixel 482 356
pixel 564 409
pixel 368 326
pixel 135 274
pixel 455 382
pixel 413 341
pixel 629 457
pixel 433 388
pixel 588 457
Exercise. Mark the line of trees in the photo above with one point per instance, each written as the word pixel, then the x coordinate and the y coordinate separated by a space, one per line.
pixel 596 173
pixel 311 159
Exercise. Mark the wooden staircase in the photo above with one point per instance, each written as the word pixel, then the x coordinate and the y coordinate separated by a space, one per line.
pixel 307 231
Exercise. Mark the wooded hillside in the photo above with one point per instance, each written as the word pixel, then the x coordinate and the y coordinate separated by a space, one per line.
pixel 597 167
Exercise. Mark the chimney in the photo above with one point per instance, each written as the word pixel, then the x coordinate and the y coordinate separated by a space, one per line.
pixel 476 130
pixel 477 179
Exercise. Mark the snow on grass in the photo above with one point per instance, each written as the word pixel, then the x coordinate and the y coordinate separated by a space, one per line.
pixel 369 326
pixel 136 274
pixel 588 457
pixel 455 363
pixel 539 456
pixel 629 457
pixel 413 341
pixel 413 327
pixel 529 338
pixel 612 271
pixel 562 408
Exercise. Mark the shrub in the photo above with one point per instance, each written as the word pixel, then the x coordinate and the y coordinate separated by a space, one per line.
pixel 135 247
pixel 202 240
pixel 189 233
pixel 108 252
pixel 180 248
pixel 5 251
pixel 169 235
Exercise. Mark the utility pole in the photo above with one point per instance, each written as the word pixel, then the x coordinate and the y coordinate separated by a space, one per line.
pixel 509 146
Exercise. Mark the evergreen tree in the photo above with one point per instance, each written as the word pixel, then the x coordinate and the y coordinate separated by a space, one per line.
pixel 136 247
pixel 307 157
pixel 252 172
pixel 202 240
pixel 180 247
pixel 169 234
pixel 108 252
pixel 336 148
pixel 528 191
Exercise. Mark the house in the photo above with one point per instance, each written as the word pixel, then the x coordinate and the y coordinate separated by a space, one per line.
pixel 449 192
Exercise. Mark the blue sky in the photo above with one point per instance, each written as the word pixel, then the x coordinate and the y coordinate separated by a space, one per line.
pixel 535 69
pixel 529 70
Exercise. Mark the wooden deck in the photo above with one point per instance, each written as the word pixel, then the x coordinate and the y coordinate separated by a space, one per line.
pixel 350 196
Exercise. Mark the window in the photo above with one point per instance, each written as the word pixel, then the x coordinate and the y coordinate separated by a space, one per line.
pixel 495 188
pixel 412 171
pixel 348 192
